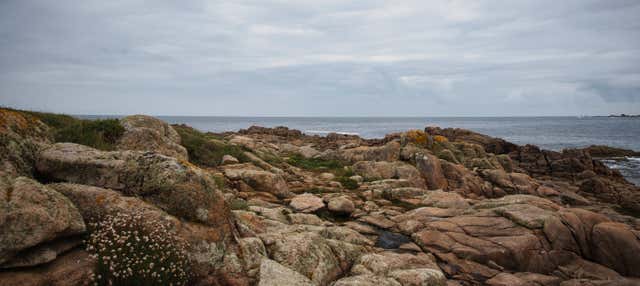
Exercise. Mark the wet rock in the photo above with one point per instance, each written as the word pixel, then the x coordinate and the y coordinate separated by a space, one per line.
pixel 391 240
pixel 346 234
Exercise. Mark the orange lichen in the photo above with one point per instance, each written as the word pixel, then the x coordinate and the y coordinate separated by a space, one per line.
pixel 440 138
pixel 10 120
pixel 19 122
pixel 417 136
pixel 186 163
pixel 100 199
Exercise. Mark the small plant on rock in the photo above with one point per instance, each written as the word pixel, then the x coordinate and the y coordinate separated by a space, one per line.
pixel 132 250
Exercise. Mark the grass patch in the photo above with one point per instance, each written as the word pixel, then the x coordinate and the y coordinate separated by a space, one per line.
pixel 206 149
pixel 348 183
pixel 314 164
pixel 239 204
pixel 338 168
pixel 101 134
pixel 219 180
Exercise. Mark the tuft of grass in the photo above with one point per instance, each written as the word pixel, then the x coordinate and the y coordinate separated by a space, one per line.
pixel 206 149
pixel 238 204
pixel 348 183
pixel 101 134
pixel 338 168
pixel 314 164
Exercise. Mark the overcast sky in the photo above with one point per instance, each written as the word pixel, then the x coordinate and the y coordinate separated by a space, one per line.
pixel 321 58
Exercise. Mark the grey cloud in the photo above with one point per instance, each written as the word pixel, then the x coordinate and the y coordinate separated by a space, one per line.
pixel 329 57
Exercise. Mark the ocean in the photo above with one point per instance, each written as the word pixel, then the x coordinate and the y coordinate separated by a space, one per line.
pixel 553 133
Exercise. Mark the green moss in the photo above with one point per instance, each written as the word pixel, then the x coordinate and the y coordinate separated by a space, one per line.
pixel 219 180
pixel 348 183
pixel 239 204
pixel 206 149
pixel 338 168
pixel 314 164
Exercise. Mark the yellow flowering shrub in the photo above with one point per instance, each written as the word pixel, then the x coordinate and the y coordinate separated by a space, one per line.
pixel 417 136
pixel 440 138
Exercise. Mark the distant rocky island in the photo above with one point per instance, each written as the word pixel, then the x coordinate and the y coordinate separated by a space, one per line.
pixel 136 201
pixel 624 115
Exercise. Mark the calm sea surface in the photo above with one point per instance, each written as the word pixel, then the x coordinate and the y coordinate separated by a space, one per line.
pixel 553 133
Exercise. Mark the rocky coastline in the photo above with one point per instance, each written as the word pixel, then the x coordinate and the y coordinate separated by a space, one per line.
pixel 273 206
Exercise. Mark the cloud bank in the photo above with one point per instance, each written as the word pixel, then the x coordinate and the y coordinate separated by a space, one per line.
pixel 321 58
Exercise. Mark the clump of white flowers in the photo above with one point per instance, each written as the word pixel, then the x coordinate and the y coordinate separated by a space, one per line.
pixel 130 250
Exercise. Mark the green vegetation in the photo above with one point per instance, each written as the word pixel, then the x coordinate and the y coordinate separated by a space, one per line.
pixel 238 204
pixel 100 134
pixel 340 169
pixel 206 149
pixel 348 183
pixel 314 164
pixel 219 180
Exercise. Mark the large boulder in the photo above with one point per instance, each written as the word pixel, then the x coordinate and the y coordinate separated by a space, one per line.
pixel 36 223
pixel 389 268
pixel 372 170
pixel 259 180
pixel 341 205
pixel 317 258
pixel 74 268
pixel 462 180
pixel 306 203
pixel 387 152
pixel 523 233
pixel 175 186
pixel 511 183
pixel 212 250
pixel 430 168
pixel 490 144
pixel 21 136
pixel 274 274
pixel 146 133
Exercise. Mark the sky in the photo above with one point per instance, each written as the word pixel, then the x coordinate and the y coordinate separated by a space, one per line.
pixel 321 58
